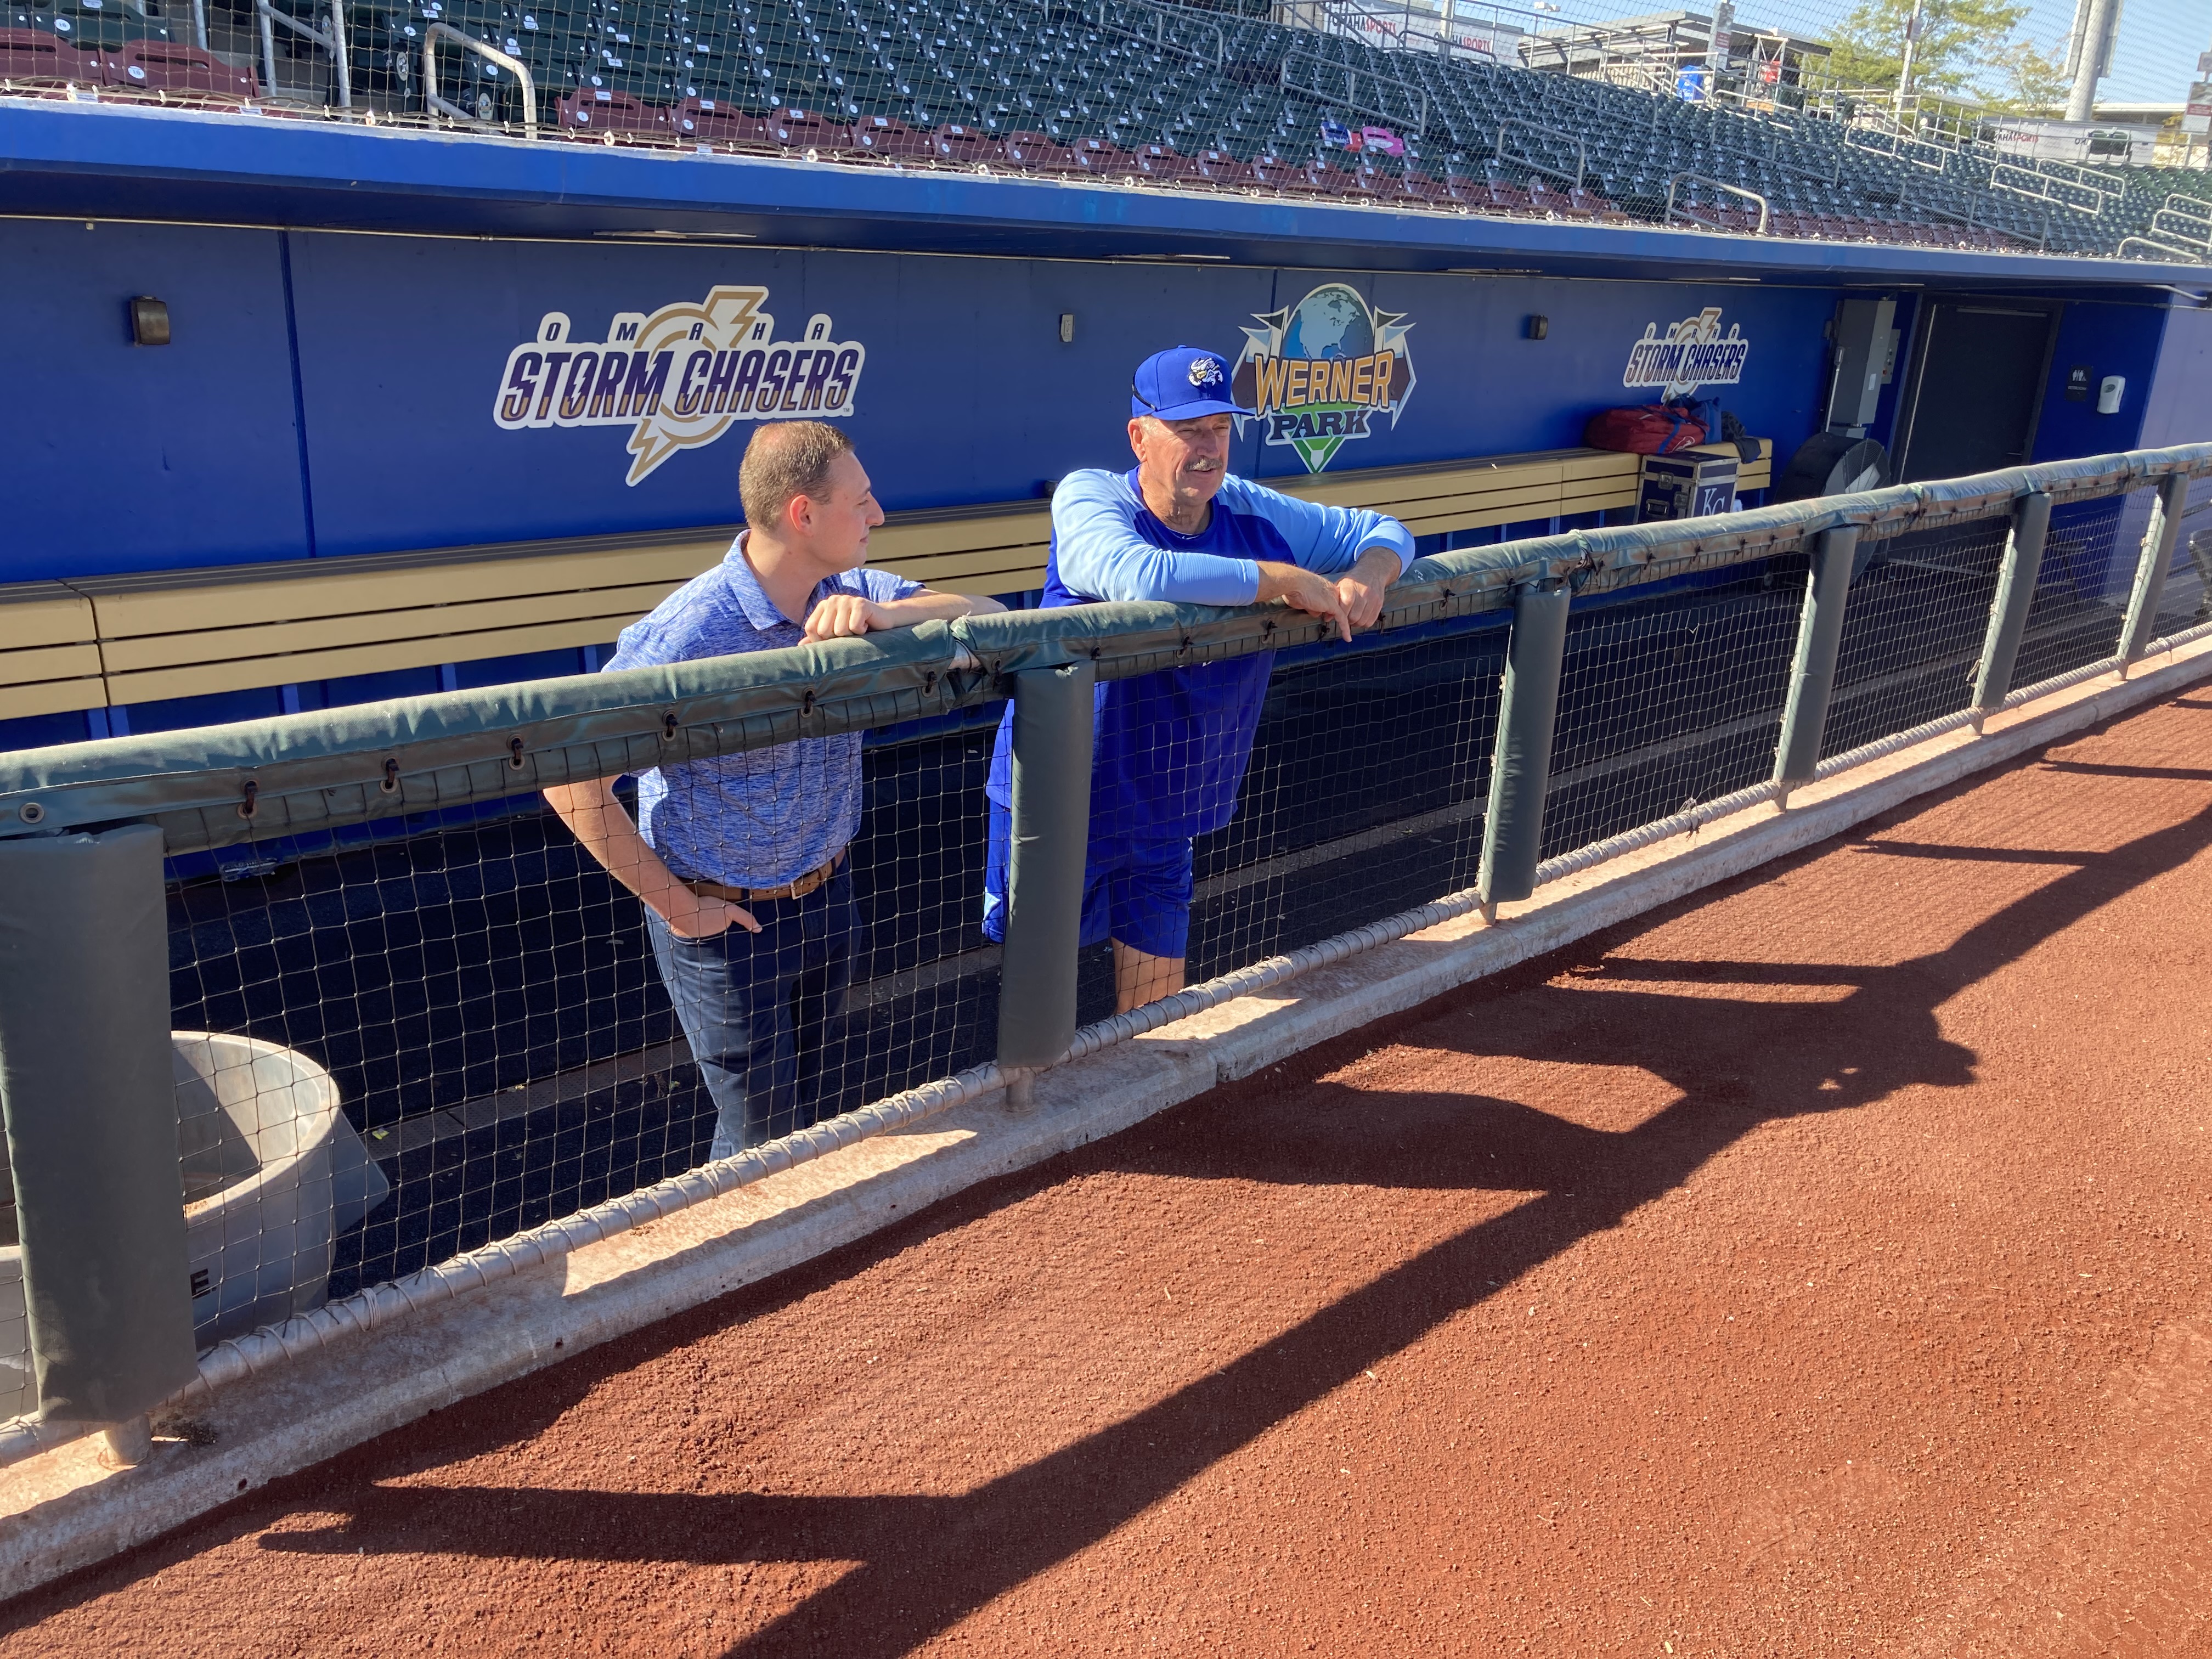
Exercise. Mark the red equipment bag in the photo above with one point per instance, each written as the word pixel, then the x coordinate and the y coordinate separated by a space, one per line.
pixel 1653 430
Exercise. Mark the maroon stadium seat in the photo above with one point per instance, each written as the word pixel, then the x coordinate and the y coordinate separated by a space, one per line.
pixel 809 130
pixel 1039 154
pixel 170 66
pixel 596 110
pixel 881 135
pixel 711 122
pixel 35 54
pixel 955 142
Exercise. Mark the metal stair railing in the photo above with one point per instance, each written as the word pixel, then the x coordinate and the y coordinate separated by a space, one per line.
pixel 2035 185
pixel 1107 16
pixel 1684 213
pixel 431 99
pixel 1360 90
pixel 333 42
pixel 1581 151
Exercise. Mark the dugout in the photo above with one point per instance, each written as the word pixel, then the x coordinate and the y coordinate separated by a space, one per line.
pixel 370 460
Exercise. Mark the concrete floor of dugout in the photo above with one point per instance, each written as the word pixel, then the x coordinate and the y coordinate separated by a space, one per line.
pixel 63 1511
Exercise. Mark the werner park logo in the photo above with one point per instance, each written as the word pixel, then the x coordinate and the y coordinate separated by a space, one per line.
pixel 681 377
pixel 1319 373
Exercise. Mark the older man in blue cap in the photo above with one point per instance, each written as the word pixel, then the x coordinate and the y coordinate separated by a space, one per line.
pixel 1170 748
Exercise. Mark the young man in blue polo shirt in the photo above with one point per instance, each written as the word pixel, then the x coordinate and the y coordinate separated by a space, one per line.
pixel 1170 748
pixel 740 860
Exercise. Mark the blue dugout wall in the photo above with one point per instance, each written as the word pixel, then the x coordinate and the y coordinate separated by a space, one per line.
pixel 331 393
pixel 349 307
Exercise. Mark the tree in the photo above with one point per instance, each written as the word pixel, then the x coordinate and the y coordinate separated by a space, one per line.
pixel 1964 47
pixel 2032 82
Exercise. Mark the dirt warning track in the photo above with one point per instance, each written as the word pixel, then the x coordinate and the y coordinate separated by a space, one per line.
pixel 1819 1266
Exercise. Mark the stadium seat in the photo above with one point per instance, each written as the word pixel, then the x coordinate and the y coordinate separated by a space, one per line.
pixel 709 121
pixel 597 110
pixel 171 66
pixel 28 54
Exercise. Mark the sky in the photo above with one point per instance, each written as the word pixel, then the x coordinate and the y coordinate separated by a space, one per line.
pixel 2153 62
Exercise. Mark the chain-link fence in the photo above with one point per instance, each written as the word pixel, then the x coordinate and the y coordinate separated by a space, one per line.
pixel 412 1017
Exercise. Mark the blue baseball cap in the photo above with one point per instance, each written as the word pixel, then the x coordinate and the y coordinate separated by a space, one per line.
pixel 1182 385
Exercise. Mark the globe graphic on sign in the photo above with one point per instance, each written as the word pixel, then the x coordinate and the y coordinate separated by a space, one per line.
pixel 1332 321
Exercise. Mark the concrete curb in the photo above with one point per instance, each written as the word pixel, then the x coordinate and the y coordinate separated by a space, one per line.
pixel 60 1511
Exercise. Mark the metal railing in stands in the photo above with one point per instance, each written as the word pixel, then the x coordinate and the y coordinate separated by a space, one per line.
pixel 420 1042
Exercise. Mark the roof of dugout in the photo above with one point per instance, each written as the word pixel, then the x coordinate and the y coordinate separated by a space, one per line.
pixel 72 161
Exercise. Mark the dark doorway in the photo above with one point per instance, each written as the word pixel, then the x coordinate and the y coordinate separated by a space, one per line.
pixel 1977 387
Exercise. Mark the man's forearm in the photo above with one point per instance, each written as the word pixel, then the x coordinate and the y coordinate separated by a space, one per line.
pixel 934 606
pixel 597 820
pixel 1379 564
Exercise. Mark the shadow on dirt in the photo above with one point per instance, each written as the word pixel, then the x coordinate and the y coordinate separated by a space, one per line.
pixel 1736 1062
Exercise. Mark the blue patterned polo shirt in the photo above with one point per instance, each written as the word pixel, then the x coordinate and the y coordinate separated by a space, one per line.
pixel 768 816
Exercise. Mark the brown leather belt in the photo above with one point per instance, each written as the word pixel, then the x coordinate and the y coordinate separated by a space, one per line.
pixel 790 889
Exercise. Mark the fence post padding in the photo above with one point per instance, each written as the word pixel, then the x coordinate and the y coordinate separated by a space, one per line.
pixel 1521 766
pixel 86 1089
pixel 1044 873
pixel 2160 538
pixel 1812 671
pixel 2015 599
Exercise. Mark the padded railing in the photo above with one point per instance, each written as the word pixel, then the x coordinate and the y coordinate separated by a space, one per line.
pixel 1983 589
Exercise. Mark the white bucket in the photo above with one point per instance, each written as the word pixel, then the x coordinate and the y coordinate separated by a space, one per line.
pixel 273 1173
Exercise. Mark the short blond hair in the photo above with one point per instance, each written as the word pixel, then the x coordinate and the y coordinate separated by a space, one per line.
pixel 785 460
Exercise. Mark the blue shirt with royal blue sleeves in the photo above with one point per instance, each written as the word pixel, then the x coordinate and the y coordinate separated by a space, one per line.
pixel 1170 748
pixel 768 816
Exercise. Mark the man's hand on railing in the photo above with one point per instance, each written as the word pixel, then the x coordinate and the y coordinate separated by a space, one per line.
pixel 1363 587
pixel 1305 590
pixel 844 617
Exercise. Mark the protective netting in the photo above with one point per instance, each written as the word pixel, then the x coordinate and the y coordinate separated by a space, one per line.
pixel 449 1027
pixel 1913 629
pixel 489 1004
pixel 2082 588
pixel 1614 119
pixel 1667 701
pixel 2187 601
pixel 1364 794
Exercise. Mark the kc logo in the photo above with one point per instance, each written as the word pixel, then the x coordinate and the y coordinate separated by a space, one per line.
pixel 679 378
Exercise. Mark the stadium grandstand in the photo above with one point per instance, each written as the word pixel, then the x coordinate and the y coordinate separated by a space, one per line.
pixel 1173 96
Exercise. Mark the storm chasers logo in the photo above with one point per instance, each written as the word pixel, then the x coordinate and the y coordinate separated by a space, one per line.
pixel 1690 354
pixel 1319 373
pixel 681 377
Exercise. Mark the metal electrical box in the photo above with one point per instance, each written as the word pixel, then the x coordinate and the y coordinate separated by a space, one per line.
pixel 1863 339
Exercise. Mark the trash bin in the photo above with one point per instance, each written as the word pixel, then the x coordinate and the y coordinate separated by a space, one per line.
pixel 273 1173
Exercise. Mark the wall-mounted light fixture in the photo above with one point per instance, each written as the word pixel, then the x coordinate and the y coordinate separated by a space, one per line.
pixel 1068 328
pixel 1538 327
pixel 149 321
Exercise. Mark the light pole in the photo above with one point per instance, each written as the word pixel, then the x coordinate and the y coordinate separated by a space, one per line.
pixel 2095 55
pixel 1904 70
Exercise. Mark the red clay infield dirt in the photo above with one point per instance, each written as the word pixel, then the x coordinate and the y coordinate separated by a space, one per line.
pixel 1818 1266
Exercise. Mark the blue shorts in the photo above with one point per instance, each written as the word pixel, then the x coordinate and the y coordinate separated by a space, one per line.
pixel 1135 890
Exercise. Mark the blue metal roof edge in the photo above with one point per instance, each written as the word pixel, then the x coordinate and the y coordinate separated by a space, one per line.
pixel 75 160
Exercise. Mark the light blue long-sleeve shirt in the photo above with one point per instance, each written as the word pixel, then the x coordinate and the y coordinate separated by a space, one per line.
pixel 1170 748
pixel 1107 545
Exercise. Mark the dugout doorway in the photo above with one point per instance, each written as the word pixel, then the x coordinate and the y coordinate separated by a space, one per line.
pixel 1978 370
